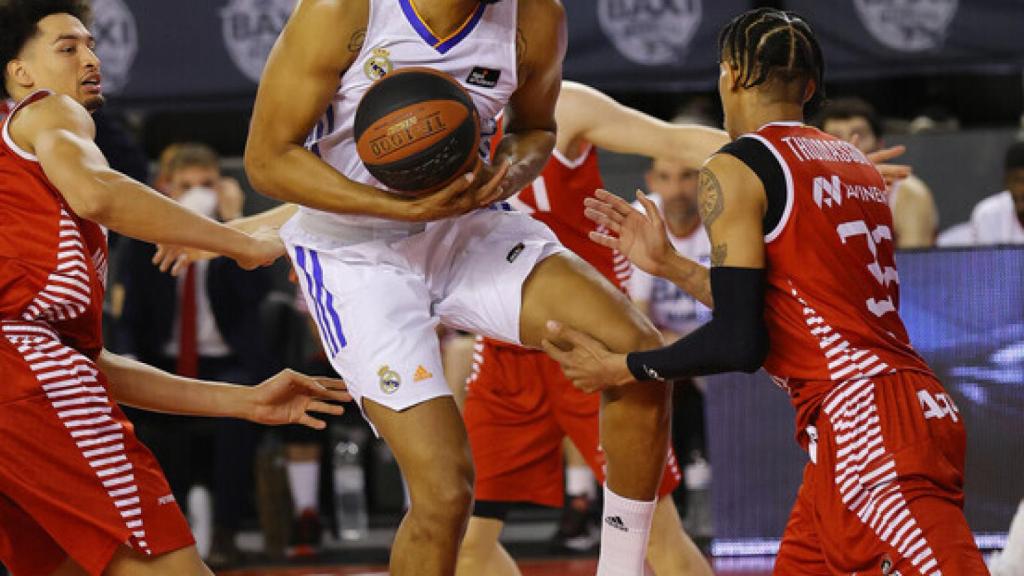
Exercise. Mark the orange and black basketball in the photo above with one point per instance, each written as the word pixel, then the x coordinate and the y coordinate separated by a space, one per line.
pixel 417 130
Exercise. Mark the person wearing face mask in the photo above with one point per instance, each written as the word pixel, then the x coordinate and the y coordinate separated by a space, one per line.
pixel 200 324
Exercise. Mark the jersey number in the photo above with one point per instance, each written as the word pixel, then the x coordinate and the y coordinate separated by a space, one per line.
pixel 885 275
pixel 937 406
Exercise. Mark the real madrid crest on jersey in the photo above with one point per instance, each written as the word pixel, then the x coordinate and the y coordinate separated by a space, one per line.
pixel 389 379
pixel 116 42
pixel 378 65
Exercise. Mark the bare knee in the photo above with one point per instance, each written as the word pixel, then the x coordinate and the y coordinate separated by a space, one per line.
pixel 444 499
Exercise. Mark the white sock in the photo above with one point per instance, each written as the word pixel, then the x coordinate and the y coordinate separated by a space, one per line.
pixel 200 518
pixel 624 532
pixel 1013 554
pixel 579 481
pixel 304 484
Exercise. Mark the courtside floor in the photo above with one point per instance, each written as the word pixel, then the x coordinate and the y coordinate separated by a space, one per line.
pixel 760 566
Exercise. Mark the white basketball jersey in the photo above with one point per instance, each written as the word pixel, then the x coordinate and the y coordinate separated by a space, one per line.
pixel 481 55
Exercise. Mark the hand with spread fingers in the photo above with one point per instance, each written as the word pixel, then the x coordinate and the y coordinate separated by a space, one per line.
pixel 289 397
pixel 585 361
pixel 639 236
pixel 892 173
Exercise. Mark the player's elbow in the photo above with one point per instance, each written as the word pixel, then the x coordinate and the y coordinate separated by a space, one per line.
pixel 95 201
pixel 258 161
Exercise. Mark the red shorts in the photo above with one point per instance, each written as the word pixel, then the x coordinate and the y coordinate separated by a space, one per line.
pixel 519 407
pixel 883 493
pixel 74 480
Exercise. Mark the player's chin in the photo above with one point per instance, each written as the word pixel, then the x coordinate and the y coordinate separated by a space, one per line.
pixel 94 102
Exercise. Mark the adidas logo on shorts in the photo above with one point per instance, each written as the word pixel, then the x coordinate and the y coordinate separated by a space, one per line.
pixel 616 522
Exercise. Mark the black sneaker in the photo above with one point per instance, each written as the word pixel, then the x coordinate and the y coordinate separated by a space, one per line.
pixel 577 531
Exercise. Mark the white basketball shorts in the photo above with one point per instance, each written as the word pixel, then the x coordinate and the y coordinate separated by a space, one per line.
pixel 377 303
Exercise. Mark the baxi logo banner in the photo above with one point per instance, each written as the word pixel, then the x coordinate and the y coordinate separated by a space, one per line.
pixel 117 42
pixel 650 32
pixel 250 28
pixel 907 25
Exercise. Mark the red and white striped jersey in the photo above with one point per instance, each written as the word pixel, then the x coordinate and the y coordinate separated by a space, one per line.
pixel 52 263
pixel 556 199
pixel 833 288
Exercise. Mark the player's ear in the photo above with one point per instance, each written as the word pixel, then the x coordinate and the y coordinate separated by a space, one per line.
pixel 731 73
pixel 18 72
pixel 809 90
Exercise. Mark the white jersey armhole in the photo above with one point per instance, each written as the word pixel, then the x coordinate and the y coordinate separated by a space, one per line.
pixel 575 163
pixel 7 133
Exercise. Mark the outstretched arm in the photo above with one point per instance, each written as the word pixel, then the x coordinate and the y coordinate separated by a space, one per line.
pixel 732 205
pixel 590 115
pixel 60 132
pixel 286 398
pixel 175 259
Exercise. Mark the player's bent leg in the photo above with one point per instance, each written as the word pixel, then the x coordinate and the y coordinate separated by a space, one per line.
pixel 670 552
pixel 181 562
pixel 482 553
pixel 638 413
pixel 430 445
pixel 635 419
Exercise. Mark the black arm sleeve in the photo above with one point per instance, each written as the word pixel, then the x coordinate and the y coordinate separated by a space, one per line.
pixel 765 165
pixel 736 338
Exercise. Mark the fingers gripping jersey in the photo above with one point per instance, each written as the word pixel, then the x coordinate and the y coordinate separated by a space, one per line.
pixel 833 292
pixel 52 263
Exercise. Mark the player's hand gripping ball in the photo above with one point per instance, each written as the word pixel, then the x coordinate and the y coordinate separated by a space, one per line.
pixel 417 130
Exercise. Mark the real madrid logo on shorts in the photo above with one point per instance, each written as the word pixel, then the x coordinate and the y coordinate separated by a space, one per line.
pixel 378 65
pixel 389 379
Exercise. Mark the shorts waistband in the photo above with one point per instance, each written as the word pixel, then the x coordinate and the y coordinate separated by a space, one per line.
pixel 324 226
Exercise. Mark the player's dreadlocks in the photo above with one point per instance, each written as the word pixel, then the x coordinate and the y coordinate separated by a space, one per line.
pixel 18 19
pixel 769 45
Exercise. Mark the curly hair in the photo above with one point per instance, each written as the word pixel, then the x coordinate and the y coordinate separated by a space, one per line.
pixel 18 24
pixel 769 45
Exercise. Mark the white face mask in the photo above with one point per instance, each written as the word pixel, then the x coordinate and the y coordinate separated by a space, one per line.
pixel 200 200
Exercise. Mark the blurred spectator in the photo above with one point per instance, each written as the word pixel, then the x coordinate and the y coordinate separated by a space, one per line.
pixel 999 219
pixel 674 186
pixel 915 217
pixel 205 324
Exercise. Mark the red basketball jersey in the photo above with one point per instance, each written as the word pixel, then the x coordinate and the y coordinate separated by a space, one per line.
pixel 556 199
pixel 833 288
pixel 52 263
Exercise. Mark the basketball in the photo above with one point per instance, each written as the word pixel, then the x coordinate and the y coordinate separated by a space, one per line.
pixel 417 130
